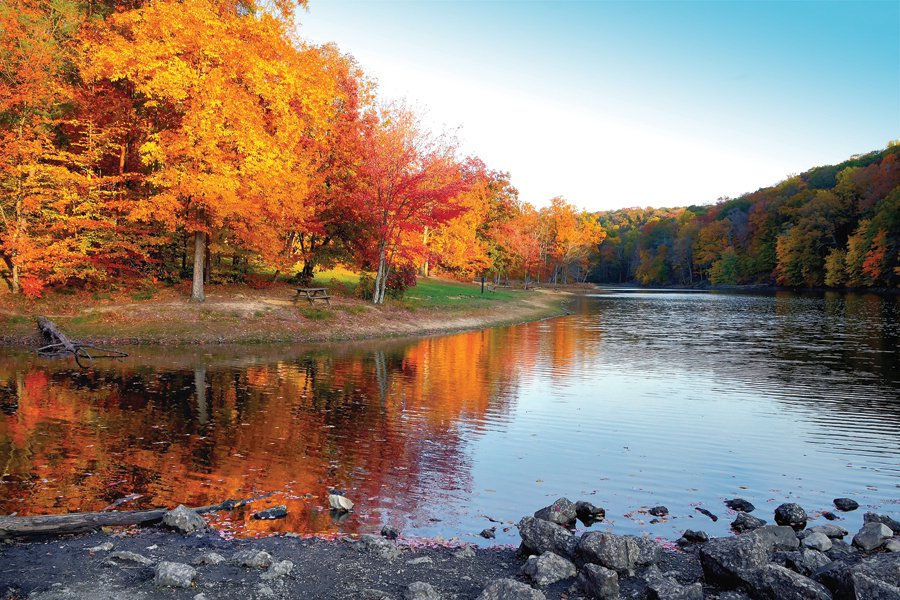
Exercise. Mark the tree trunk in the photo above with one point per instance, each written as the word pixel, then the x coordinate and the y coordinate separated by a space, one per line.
pixel 197 294
pixel 380 276
pixel 207 264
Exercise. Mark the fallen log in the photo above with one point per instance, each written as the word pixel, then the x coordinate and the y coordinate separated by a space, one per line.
pixel 43 525
pixel 58 344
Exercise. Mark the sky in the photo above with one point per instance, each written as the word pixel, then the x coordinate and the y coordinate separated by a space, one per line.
pixel 620 104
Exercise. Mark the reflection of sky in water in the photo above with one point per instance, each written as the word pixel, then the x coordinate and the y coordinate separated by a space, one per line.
pixel 638 399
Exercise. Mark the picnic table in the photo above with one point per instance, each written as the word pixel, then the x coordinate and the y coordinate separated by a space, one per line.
pixel 313 294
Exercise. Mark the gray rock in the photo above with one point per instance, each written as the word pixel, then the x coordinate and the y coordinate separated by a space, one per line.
pixel 695 537
pixel 588 513
pixel 806 562
pixel 373 594
pixel 619 553
pixel 379 547
pixel 389 532
pixel 777 537
pixel 842 576
pixel 872 535
pixel 253 559
pixel 599 582
pixel 727 561
pixel 774 582
pixel 791 515
pixel 278 570
pixel 845 504
pixel 548 568
pixel 892 545
pixel 185 520
pixel 883 519
pixel 662 587
pixel 419 590
pixel 104 547
pixel 123 556
pixel 732 595
pixel 740 505
pixel 510 589
pixel 867 588
pixel 648 550
pixel 817 541
pixel 561 512
pixel 465 552
pixel 173 574
pixel 833 531
pixel 489 534
pixel 422 560
pixel 840 549
pixel 264 591
pixel 276 512
pixel 539 536
pixel 340 503
pixel 744 522
pixel 208 558
pixel 659 511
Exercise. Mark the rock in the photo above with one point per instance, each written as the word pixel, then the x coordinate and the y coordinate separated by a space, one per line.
pixel 744 522
pixel 488 534
pixel 599 582
pixel 548 568
pixel 892 545
pixel 867 588
pixel 840 549
pixel 589 514
pixel 806 562
pixel 659 511
pixel 173 574
pixel 510 589
pixel 373 594
pixel 253 559
pixel 648 550
pixel 104 547
pixel 124 556
pixel 703 511
pixel 774 582
pixel 183 519
pixel 694 537
pixel 276 512
pixel 830 515
pixel 732 596
pixel 389 532
pixel 561 512
pixel 832 531
pixel 777 537
pixel 539 536
pixel 845 504
pixel 379 547
pixel 208 558
pixel 740 505
pixel 662 587
pixel 817 541
pixel 264 591
pixel 421 560
pixel 842 577
pixel 792 515
pixel 727 561
pixel 464 552
pixel 340 503
pixel 883 519
pixel 619 553
pixel 872 535
pixel 419 590
pixel 278 570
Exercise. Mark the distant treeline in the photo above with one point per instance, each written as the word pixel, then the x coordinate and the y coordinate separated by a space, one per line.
pixel 835 226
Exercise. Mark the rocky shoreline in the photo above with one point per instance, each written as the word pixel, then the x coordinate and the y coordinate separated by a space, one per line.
pixel 185 559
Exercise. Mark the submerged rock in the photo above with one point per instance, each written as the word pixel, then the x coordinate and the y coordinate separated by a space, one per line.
pixel 489 533
pixel 703 511
pixel 740 505
pixel 659 511
pixel 173 574
pixel 184 519
pixel 276 512
pixel 791 515
pixel 845 504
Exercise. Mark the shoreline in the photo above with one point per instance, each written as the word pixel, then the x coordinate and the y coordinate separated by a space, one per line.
pixel 252 318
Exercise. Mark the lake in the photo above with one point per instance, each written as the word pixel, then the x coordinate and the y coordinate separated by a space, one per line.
pixel 638 398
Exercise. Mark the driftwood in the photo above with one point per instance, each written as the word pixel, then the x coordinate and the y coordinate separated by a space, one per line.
pixel 83 522
pixel 58 344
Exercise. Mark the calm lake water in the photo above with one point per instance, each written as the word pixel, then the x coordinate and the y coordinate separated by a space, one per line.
pixel 635 400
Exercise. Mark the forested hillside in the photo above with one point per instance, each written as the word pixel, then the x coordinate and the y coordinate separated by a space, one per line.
pixel 835 226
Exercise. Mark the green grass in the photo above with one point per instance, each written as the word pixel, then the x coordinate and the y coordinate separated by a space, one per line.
pixel 143 295
pixel 316 314
pixel 18 320
pixel 436 293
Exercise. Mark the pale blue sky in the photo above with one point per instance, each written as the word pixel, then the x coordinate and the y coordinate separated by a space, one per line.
pixel 614 104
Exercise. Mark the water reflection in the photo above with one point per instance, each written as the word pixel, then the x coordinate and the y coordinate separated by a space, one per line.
pixel 635 400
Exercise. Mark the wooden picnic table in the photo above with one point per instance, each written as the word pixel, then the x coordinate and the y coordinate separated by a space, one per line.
pixel 313 294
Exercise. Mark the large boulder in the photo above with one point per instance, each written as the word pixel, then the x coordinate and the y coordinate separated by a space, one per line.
pixel 510 589
pixel 616 552
pixel 872 535
pixel 817 541
pixel 662 587
pixel 727 561
pixel 884 520
pixel 849 579
pixel 777 537
pixel 183 519
pixel 599 582
pixel 832 531
pixel 539 536
pixel 548 568
pixel 648 550
pixel 744 522
pixel 774 582
pixel 806 562
pixel 791 515
pixel 561 512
